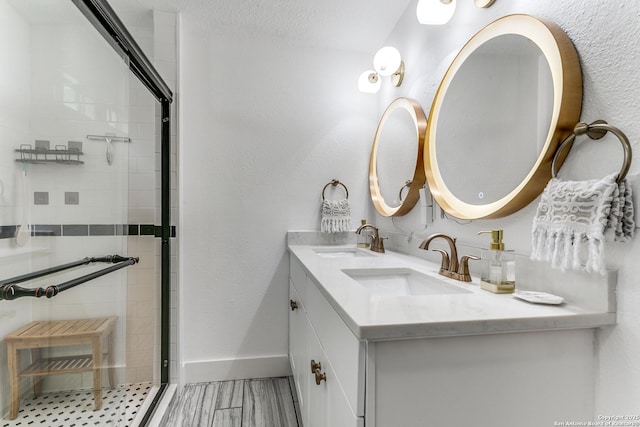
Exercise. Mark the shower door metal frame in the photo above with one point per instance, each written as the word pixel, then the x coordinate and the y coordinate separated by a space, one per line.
pixel 106 21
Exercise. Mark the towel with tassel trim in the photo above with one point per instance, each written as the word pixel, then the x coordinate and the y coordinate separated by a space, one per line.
pixel 336 216
pixel 574 213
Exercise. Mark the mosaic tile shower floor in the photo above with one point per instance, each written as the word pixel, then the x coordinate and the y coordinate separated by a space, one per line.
pixel 75 408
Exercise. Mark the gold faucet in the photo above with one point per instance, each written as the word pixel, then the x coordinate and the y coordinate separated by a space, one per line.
pixel 450 266
pixel 377 243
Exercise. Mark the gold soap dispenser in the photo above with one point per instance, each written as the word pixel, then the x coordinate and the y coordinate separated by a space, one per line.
pixel 498 266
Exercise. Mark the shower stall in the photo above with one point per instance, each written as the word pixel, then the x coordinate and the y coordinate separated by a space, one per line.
pixel 84 217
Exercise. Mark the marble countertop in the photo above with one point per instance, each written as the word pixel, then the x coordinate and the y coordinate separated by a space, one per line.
pixel 374 317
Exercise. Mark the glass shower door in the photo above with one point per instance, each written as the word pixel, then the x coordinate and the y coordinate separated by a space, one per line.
pixel 77 185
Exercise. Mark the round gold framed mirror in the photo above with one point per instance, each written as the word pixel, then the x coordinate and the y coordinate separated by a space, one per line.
pixel 396 161
pixel 512 93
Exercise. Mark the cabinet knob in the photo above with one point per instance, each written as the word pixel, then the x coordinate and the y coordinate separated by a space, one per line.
pixel 315 365
pixel 293 304
pixel 320 376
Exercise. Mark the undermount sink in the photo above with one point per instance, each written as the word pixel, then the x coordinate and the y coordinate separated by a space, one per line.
pixel 393 282
pixel 341 252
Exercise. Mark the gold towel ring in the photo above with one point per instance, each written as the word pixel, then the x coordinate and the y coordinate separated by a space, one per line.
pixel 596 130
pixel 335 182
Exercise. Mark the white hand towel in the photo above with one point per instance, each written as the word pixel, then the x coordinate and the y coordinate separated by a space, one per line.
pixel 336 216
pixel 571 213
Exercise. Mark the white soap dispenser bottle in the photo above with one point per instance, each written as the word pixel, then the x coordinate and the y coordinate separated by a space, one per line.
pixel 498 266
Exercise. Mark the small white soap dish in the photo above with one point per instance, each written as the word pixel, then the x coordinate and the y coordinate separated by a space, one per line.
pixel 538 297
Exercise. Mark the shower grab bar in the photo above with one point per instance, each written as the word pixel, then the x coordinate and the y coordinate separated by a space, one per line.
pixel 10 291
pixel 54 290
pixel 45 272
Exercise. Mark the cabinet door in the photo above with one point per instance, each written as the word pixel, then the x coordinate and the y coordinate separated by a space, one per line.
pixel 317 397
pixel 298 276
pixel 297 349
pixel 346 352
pixel 327 406
pixel 528 379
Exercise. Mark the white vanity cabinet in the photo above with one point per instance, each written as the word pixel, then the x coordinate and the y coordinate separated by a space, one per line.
pixel 318 335
pixel 525 378
pixel 502 380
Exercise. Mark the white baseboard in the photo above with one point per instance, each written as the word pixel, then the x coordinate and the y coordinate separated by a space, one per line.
pixel 235 369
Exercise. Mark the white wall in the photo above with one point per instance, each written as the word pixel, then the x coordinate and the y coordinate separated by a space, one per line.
pixel 605 36
pixel 264 126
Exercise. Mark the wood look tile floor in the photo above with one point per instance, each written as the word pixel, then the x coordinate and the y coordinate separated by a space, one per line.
pixel 265 402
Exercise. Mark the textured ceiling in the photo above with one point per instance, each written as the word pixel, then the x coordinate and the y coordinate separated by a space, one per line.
pixel 359 25
pixel 353 25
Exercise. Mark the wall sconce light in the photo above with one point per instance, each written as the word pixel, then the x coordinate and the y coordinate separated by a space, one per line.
pixel 439 12
pixel 369 82
pixel 386 62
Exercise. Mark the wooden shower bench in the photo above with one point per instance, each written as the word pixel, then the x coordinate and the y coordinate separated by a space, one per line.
pixel 58 333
